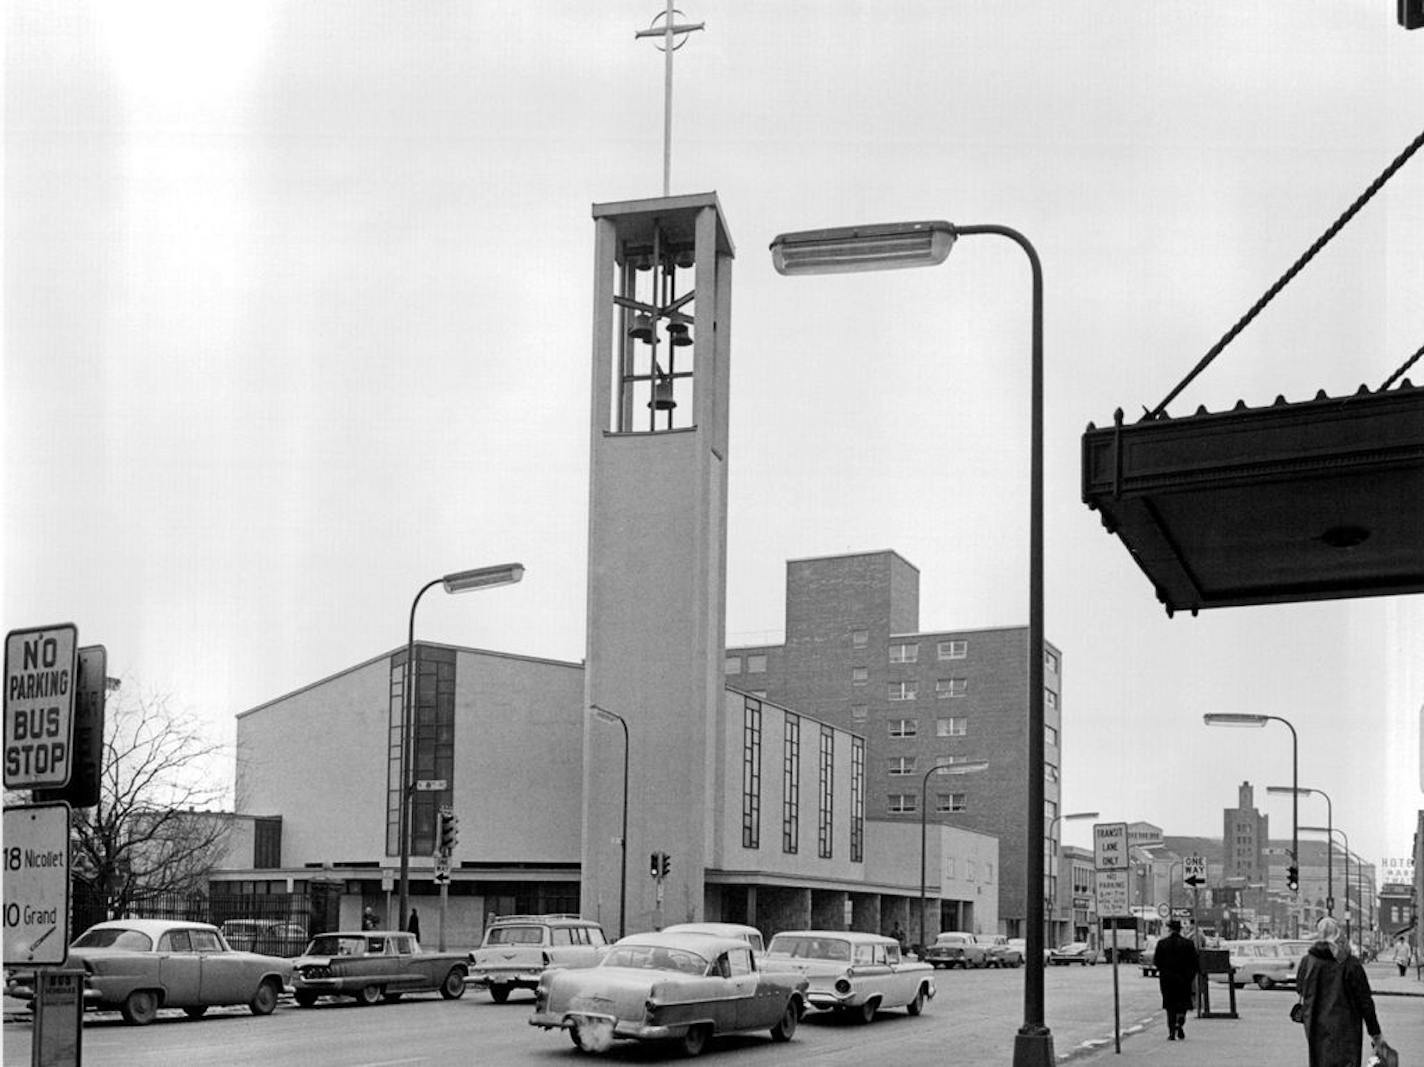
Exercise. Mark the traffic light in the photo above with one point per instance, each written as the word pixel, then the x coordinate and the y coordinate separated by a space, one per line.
pixel 1411 14
pixel 655 864
pixel 667 864
pixel 1292 878
pixel 449 831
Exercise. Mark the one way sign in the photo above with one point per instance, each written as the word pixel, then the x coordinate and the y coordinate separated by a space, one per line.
pixel 1194 871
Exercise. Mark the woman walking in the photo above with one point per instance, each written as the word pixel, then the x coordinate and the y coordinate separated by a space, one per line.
pixel 1336 1002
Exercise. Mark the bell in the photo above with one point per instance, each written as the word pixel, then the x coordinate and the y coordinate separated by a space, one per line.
pixel 642 329
pixel 678 335
pixel 662 396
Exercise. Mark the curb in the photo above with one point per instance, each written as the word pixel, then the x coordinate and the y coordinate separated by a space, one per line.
pixel 1097 1044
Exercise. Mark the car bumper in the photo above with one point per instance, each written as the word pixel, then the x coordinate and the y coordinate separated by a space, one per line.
pixel 626 1028
pixel 523 978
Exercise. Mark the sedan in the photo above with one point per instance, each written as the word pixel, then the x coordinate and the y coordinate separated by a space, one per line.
pixel 856 974
pixel 680 988
pixel 138 966
pixel 375 965
pixel 1074 952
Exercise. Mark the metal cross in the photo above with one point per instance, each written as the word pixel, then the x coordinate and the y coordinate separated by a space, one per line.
pixel 674 35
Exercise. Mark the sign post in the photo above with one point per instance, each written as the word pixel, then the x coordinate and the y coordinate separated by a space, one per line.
pixel 40 674
pixel 1110 859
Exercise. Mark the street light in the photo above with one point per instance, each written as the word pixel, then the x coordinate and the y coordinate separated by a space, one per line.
pixel 613 716
pixel 458 582
pixel 920 244
pixel 1234 719
pixel 1330 833
pixel 1281 790
pixel 1052 825
pixel 967 767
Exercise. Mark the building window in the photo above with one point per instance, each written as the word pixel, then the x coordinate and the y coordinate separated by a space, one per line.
pixel 949 868
pixel 901 765
pixel 756 664
pixel 969 870
pixel 954 726
pixel 1050 700
pixel 733 665
pixel 904 690
pixel 904 652
pixel 751 775
pixel 1050 772
pixel 267 842
pixel 791 786
pixel 825 823
pixel 902 804
pixel 432 745
pixel 859 638
pixel 951 687
pixel 857 800
pixel 946 802
pixel 989 873
pixel 1050 736
pixel 859 675
pixel 1050 661
pixel 953 649
pixel 904 727
pixel 860 712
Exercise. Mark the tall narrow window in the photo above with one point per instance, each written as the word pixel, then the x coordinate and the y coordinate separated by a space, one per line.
pixel 825 823
pixel 791 786
pixel 751 775
pixel 857 800
pixel 432 745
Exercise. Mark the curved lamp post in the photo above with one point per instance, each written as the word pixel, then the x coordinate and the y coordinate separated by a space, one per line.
pixel 1233 719
pixel 1330 832
pixel 1053 825
pixel 923 244
pixel 458 582
pixel 613 716
pixel 967 767
pixel 1281 790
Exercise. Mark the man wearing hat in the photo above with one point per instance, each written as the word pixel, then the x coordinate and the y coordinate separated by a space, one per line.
pixel 1176 961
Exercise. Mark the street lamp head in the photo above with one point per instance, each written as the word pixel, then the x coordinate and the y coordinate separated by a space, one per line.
pixel 604 714
pixel 1287 790
pixel 1323 829
pixel 843 249
pixel 483 578
pixel 967 767
pixel 1227 718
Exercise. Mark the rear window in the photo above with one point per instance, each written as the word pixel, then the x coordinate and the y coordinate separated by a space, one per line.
pixel 331 945
pixel 515 935
pixel 115 937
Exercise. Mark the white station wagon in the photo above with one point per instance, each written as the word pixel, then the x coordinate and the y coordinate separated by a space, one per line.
pixel 853 973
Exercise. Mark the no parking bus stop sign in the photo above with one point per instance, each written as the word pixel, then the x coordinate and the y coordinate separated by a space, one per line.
pixel 40 676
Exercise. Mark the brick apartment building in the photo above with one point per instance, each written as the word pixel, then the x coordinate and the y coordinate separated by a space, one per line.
pixel 854 656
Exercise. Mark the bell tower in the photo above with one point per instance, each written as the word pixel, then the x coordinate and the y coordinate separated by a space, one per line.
pixel 656 555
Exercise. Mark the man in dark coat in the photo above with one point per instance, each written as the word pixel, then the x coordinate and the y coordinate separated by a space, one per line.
pixel 1176 961
pixel 1336 1002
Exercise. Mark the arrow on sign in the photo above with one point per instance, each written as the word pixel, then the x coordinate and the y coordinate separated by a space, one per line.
pixel 1194 880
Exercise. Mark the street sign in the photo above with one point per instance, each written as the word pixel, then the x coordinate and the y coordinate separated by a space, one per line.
pixel 1112 895
pixel 36 915
pixel 39 705
pixel 1182 913
pixel 1110 846
pixel 431 785
pixel 388 879
pixel 1164 911
pixel 1194 871
pixel 91 689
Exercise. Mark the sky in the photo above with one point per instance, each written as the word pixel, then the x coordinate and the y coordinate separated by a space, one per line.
pixel 298 296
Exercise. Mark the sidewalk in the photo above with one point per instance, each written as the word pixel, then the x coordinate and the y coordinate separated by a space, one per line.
pixel 1263 1035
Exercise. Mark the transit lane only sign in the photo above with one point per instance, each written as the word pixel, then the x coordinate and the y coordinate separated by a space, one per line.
pixel 40 680
pixel 36 862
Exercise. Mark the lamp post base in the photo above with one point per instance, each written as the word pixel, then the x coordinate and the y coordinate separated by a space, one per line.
pixel 1033 1047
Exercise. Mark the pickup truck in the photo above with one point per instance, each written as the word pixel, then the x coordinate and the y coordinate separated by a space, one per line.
pixel 956 948
pixel 375 965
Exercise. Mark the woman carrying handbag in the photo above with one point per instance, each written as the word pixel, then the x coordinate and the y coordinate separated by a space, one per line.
pixel 1335 1004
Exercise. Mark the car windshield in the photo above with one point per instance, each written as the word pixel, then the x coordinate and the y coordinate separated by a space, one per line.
pixel 515 935
pixel 114 937
pixel 657 958
pixel 335 945
pixel 814 948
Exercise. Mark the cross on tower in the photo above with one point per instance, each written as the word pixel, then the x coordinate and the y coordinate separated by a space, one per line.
pixel 674 35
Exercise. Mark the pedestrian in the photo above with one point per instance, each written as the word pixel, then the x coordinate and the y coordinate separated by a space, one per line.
pixel 1175 958
pixel 1401 956
pixel 369 920
pixel 1335 1000
pixel 898 933
pixel 413 926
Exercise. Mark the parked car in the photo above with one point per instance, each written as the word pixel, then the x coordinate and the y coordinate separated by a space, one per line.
pixel 1275 962
pixel 1149 949
pixel 853 973
pixel 1074 952
pixel 137 966
pixel 955 948
pixel 676 987
pixel 266 936
pixel 1003 952
pixel 372 965
pixel 750 934
pixel 517 949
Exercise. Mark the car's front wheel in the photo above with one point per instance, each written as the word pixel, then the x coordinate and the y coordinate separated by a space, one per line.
pixel 453 988
pixel 918 1004
pixel 786 1027
pixel 866 1012
pixel 305 998
pixel 264 1001
pixel 368 995
pixel 140 1007
pixel 1265 981
pixel 695 1040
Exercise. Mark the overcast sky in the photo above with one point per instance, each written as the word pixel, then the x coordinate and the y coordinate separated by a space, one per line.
pixel 298 295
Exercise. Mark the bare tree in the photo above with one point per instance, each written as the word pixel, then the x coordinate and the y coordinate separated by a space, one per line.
pixel 149 833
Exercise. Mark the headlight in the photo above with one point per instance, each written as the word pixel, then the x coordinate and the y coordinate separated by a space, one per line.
pixel 842 986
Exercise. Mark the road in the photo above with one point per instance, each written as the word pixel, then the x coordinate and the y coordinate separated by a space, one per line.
pixel 976 1014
